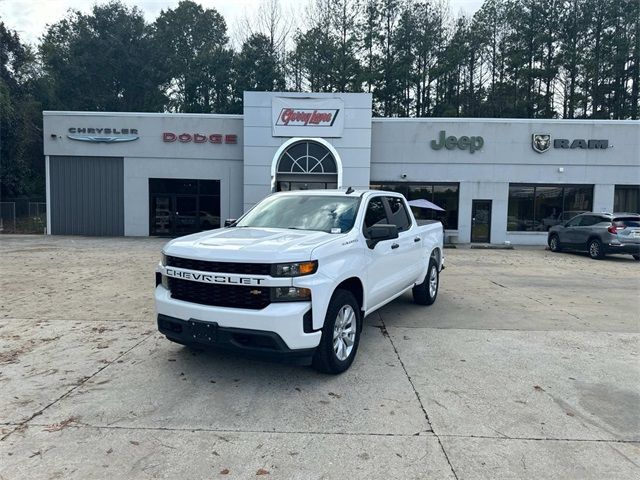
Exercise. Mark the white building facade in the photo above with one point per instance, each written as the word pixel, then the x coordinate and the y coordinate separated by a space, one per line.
pixel 499 180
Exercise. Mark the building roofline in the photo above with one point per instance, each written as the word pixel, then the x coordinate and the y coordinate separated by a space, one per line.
pixel 501 120
pixel 47 113
pixel 69 113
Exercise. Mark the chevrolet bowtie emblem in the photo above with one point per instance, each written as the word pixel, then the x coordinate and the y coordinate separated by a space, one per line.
pixel 255 292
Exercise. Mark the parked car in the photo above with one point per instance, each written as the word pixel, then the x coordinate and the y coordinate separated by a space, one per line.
pixel 598 234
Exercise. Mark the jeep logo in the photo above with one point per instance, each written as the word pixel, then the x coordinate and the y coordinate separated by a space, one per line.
pixel 463 143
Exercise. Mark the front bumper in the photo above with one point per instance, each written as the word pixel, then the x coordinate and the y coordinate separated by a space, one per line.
pixel 255 343
pixel 285 319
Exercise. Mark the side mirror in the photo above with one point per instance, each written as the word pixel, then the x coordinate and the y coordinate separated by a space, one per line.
pixel 379 233
pixel 230 222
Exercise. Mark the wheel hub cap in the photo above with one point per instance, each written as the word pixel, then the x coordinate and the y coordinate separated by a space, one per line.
pixel 433 282
pixel 344 332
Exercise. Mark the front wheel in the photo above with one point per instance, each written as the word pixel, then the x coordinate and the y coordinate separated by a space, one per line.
pixel 596 251
pixel 636 258
pixel 554 244
pixel 426 292
pixel 340 334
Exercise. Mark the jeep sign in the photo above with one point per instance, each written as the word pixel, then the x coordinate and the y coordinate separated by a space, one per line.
pixel 463 143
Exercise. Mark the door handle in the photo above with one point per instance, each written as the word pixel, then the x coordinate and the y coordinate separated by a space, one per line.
pixel 394 246
pixel 417 239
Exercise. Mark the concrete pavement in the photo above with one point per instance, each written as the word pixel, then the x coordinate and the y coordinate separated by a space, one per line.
pixel 526 367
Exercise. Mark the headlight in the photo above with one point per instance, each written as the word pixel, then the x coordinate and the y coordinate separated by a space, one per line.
pixel 290 294
pixel 163 259
pixel 294 269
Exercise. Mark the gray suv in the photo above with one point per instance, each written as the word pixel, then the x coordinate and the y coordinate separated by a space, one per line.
pixel 598 234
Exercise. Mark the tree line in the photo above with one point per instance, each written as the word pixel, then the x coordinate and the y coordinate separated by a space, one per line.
pixel 512 58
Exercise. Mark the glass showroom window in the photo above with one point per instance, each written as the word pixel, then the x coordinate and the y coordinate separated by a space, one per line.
pixel 627 198
pixel 444 195
pixel 536 208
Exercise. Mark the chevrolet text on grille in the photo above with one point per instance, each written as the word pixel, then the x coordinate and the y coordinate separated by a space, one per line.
pixel 206 277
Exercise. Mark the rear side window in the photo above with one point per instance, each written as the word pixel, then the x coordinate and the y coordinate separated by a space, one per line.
pixel 375 213
pixel 626 222
pixel 399 215
pixel 589 220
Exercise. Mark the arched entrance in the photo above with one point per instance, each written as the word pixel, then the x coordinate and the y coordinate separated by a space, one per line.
pixel 306 164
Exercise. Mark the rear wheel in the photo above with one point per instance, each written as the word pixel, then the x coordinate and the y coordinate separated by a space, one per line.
pixel 596 251
pixel 554 244
pixel 636 258
pixel 340 334
pixel 426 292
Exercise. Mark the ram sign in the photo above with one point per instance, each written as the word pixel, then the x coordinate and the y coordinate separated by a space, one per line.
pixel 307 117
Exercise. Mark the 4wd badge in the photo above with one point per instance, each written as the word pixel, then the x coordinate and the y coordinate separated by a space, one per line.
pixel 541 142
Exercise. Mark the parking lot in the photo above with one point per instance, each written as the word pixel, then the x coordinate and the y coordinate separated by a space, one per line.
pixel 527 366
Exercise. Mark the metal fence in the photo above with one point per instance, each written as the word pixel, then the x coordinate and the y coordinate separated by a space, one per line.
pixel 38 209
pixel 23 217
pixel 7 217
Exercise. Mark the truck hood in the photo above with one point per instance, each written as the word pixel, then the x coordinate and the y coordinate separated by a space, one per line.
pixel 259 245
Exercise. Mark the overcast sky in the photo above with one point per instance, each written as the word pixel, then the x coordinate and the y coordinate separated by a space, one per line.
pixel 30 17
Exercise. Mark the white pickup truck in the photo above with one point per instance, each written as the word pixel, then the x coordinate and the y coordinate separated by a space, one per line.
pixel 296 275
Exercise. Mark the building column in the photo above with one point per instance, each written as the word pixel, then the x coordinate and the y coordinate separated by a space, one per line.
pixel 603 197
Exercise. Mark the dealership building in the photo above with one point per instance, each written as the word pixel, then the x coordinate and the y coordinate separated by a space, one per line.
pixel 498 180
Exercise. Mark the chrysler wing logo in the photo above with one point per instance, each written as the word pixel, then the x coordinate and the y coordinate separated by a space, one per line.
pixel 101 139
pixel 307 117
pixel 541 142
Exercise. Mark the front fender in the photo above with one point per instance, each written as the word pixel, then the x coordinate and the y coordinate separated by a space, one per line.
pixel 333 268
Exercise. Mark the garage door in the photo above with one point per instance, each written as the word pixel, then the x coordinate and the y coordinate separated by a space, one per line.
pixel 87 196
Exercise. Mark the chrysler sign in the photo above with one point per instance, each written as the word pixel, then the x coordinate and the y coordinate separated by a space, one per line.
pixel 102 135
pixel 293 117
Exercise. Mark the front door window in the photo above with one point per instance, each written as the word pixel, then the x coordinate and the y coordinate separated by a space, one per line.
pixel 306 165
pixel 481 221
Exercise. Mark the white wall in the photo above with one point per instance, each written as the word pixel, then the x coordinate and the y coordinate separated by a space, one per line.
pixel 402 147
pixel 137 172
pixel 353 147
pixel 151 157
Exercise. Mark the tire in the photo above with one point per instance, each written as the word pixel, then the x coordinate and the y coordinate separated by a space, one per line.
pixel 340 334
pixel 636 258
pixel 554 244
pixel 595 249
pixel 426 292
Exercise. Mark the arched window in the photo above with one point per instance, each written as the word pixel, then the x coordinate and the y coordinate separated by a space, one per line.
pixel 306 165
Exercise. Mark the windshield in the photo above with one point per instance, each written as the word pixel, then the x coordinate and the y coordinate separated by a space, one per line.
pixel 331 214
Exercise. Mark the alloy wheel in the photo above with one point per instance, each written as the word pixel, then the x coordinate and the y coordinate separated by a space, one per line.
pixel 344 332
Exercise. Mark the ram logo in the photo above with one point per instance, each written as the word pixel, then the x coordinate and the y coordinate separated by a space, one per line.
pixel 541 142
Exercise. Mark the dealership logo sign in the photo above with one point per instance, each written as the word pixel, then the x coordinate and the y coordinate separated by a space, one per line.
pixel 463 143
pixel 103 135
pixel 541 142
pixel 304 117
pixel 307 116
pixel 216 138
